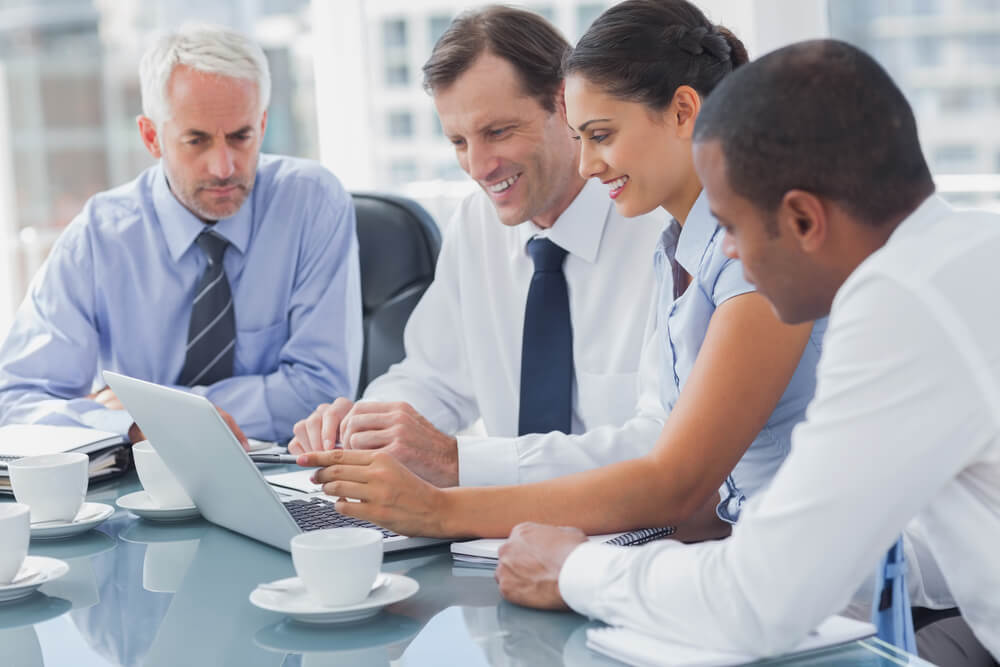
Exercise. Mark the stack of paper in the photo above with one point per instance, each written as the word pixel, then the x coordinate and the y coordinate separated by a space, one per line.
pixel 636 648
pixel 107 451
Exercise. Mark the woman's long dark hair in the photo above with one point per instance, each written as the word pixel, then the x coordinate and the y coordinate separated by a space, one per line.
pixel 643 50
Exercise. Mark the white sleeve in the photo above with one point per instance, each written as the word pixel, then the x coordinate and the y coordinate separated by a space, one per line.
pixel 434 376
pixel 541 456
pixel 867 459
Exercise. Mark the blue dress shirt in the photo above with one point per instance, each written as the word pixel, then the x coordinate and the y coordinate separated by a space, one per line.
pixel 116 293
pixel 683 320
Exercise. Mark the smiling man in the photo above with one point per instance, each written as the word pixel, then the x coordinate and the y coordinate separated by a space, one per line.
pixel 538 312
pixel 227 273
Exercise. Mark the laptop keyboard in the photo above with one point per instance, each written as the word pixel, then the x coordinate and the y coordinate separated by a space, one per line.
pixel 316 514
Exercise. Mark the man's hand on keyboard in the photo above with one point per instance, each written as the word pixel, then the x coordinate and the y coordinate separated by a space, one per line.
pixel 391 496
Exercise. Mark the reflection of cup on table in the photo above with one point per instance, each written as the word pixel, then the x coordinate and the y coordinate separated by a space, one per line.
pixel 161 485
pixel 166 563
pixel 53 485
pixel 15 533
pixel 338 565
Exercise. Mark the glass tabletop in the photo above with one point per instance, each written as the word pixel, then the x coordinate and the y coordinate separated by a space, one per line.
pixel 139 592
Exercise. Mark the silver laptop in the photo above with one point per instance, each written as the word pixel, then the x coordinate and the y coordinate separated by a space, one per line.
pixel 209 462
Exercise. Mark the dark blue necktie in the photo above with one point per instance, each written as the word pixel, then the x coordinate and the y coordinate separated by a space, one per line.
pixel 891 609
pixel 546 345
pixel 212 330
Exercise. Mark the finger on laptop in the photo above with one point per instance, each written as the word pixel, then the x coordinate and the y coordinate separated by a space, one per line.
pixel 336 472
pixel 345 489
pixel 335 456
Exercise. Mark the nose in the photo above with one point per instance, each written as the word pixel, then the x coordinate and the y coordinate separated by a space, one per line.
pixel 480 161
pixel 590 164
pixel 221 164
pixel 729 247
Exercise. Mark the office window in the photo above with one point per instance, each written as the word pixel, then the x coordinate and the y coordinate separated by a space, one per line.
pixel 402 171
pixel 394 33
pixel 548 12
pixel 400 124
pixel 585 15
pixel 397 75
pixel 954 159
pixel 940 53
pixel 436 129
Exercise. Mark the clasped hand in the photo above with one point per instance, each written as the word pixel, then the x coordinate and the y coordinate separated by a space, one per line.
pixel 395 428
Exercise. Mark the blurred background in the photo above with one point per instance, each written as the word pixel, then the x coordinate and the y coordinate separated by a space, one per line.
pixel 347 91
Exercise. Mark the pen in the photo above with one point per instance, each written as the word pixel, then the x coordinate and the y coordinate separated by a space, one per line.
pixel 274 458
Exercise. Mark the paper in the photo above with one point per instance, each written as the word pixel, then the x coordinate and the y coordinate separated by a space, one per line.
pixel 636 648
pixel 19 440
pixel 297 480
pixel 484 553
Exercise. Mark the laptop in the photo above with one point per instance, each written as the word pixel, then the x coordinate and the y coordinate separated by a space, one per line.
pixel 199 449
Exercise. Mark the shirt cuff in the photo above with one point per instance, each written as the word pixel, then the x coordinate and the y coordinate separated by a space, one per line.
pixel 487 461
pixel 579 583
pixel 114 421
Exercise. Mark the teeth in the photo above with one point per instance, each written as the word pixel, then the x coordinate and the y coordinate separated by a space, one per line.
pixel 503 185
pixel 617 183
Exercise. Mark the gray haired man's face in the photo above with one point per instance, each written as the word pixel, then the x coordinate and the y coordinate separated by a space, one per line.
pixel 211 142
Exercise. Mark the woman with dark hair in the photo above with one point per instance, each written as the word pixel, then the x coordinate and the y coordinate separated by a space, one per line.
pixel 634 88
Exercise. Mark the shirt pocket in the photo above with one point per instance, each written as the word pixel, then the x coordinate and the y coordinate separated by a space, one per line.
pixel 258 350
pixel 606 398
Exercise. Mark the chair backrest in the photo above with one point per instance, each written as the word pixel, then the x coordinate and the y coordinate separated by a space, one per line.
pixel 398 242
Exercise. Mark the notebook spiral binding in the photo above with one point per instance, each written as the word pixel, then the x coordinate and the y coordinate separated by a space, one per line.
pixel 637 537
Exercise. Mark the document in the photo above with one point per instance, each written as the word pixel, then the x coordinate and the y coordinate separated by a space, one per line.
pixel 636 648
pixel 108 451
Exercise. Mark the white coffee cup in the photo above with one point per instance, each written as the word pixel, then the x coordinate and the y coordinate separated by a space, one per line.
pixel 338 565
pixel 53 485
pixel 15 533
pixel 156 478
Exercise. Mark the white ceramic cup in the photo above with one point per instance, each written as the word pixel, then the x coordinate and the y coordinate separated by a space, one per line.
pixel 53 485
pixel 156 478
pixel 15 533
pixel 338 565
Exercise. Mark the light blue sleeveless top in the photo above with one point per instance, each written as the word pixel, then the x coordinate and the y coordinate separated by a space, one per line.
pixel 682 323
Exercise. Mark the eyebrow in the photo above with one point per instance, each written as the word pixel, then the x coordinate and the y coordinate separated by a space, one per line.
pixel 718 217
pixel 202 133
pixel 591 121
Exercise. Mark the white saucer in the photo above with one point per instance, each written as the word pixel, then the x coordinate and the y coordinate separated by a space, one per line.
pixel 141 504
pixel 301 607
pixel 92 514
pixel 47 569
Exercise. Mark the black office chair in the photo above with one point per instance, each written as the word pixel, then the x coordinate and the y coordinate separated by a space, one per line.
pixel 399 244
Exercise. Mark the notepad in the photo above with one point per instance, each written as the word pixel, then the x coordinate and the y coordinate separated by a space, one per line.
pixel 642 650
pixel 484 553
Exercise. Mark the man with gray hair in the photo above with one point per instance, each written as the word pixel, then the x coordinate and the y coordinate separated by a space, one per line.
pixel 227 273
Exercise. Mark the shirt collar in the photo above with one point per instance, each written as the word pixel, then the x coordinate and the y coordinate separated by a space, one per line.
pixel 586 217
pixel 933 208
pixel 181 227
pixel 696 233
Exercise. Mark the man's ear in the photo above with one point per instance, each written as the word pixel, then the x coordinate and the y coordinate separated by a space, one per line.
pixel 263 124
pixel 803 216
pixel 561 100
pixel 150 136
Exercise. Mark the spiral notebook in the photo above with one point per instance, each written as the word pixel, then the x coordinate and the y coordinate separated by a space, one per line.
pixel 484 553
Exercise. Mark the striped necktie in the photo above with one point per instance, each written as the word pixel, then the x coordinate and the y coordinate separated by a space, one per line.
pixel 546 345
pixel 212 331
pixel 891 608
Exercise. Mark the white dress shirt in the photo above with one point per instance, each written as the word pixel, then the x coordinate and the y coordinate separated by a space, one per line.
pixel 463 340
pixel 905 422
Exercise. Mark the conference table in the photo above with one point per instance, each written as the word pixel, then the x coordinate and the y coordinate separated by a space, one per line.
pixel 156 594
